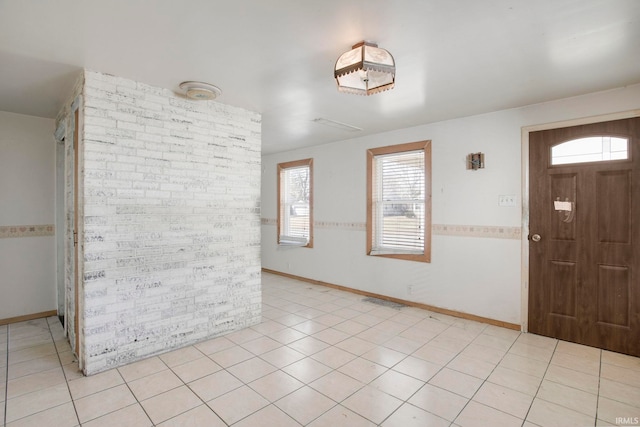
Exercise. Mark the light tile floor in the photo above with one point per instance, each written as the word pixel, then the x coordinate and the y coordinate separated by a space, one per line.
pixel 323 357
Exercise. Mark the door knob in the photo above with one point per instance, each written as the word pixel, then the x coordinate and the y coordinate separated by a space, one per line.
pixel 536 237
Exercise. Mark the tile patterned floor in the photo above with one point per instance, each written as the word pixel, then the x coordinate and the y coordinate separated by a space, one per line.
pixel 323 357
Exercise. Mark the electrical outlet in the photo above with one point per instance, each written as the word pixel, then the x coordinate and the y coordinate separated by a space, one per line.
pixel 507 201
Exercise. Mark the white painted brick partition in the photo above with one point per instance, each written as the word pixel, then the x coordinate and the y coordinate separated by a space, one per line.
pixel 171 220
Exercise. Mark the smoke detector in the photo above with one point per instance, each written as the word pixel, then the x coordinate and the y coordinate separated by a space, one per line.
pixel 200 91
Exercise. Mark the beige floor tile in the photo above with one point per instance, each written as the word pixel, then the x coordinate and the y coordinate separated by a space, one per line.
pixel 499 343
pixel 524 365
pixel 587 365
pixel 612 372
pixel 89 385
pixel 417 368
pixel 305 404
pixel 356 345
pixel 214 345
pixel 275 385
pixel 410 416
pixel 621 392
pixel 349 326
pixel 196 369
pixel 363 370
pixel 308 345
pixel 484 353
pixel 181 356
pixel 515 380
pixel 531 351
pixel 231 356
pixel 243 335
pixel 287 336
pixel 377 336
pixel 201 416
pixel 131 416
pixel 37 401
pixel 72 372
pixel 267 327
pixel 549 414
pixel 133 371
pixel 341 416
pixel 456 382
pixel 104 402
pixel 290 319
pixel 372 404
pixel 67 357
pixel 435 355
pixel 569 397
pixel 334 357
pixel 609 410
pixel 154 384
pixel 215 385
pixel 504 333
pixel 537 341
pixel 31 353
pixel 33 366
pixel 578 350
pixel 268 416
pixel 33 382
pixel 504 399
pixel 396 384
pixel 476 414
pixel 571 378
pixel 169 404
pixel 452 345
pixel 64 416
pixel 384 356
pixel 622 360
pixel 237 404
pixel 474 367
pixel 438 401
pixel 310 327
pixel 336 385
pixel 261 345
pixel 307 370
pixel 283 356
pixel 331 336
pixel 329 319
pixel 251 369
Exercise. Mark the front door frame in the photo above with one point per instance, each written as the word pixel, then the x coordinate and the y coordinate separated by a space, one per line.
pixel 524 242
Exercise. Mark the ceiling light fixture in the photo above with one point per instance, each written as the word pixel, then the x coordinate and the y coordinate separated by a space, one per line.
pixel 365 69
pixel 200 91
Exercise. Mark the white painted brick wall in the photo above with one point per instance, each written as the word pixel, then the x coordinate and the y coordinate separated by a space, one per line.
pixel 171 220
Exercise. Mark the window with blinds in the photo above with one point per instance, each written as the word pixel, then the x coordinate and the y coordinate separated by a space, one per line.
pixel 399 204
pixel 295 203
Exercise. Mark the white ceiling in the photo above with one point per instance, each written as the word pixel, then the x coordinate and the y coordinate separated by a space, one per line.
pixel 454 57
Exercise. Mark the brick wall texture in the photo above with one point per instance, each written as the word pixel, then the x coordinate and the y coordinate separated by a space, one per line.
pixel 171 220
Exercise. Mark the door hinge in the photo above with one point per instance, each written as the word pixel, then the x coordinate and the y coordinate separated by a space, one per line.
pixel 75 238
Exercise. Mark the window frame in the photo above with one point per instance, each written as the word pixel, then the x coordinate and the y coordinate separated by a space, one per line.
pixel 397 149
pixel 281 168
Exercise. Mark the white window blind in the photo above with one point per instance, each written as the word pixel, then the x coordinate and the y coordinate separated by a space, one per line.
pixel 294 206
pixel 398 203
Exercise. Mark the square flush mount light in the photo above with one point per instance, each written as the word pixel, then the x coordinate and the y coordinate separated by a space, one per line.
pixel 365 69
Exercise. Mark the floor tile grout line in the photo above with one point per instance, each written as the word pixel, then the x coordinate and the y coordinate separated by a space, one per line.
pixel 595 421
pixel 64 373
pixel 555 348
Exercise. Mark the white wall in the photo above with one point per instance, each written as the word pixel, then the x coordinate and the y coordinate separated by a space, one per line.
pixel 476 275
pixel 27 194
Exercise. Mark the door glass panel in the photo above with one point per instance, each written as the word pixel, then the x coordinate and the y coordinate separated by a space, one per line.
pixel 591 149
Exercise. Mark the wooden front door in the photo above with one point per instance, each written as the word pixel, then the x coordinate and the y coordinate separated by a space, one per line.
pixel 584 246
